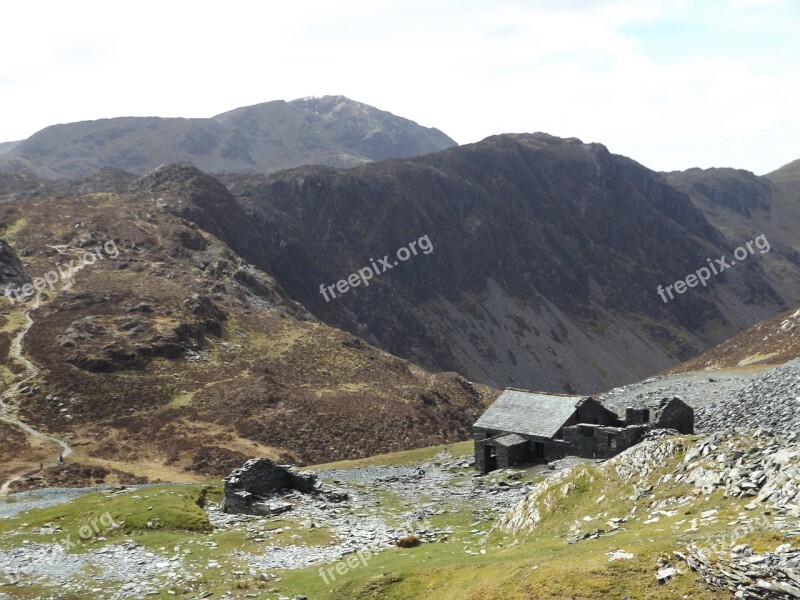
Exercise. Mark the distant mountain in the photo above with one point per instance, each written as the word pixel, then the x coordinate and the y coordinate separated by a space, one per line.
pixel 7 146
pixel 741 205
pixel 547 255
pixel 263 138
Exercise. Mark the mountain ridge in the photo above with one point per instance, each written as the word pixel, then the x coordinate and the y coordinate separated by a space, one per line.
pixel 177 357
pixel 526 224
pixel 266 137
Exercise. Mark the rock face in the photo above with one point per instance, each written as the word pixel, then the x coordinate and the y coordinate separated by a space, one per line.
pixel 253 488
pixel 12 274
pixel 740 205
pixel 771 401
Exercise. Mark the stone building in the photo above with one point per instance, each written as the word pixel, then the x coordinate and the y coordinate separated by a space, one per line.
pixel 256 486
pixel 668 413
pixel 526 427
pixel 522 427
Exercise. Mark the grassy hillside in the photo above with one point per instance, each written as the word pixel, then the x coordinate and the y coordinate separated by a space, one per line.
pixel 587 515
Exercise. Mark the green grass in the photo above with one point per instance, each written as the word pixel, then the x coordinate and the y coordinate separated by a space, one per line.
pixel 530 565
pixel 150 511
pixel 542 564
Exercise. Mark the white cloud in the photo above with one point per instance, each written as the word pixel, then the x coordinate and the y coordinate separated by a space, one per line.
pixel 672 84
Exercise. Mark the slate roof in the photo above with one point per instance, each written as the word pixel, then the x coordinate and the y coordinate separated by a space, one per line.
pixel 529 413
pixel 512 439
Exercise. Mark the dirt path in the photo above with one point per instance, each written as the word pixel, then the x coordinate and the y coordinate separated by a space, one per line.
pixel 7 409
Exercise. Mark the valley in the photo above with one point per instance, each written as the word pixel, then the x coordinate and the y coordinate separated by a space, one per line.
pixel 133 388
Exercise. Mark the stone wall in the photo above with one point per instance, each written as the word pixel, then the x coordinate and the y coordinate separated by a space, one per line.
pixel 676 415
pixel 552 450
pixel 604 442
pixel 592 411
pixel 247 489
pixel 637 416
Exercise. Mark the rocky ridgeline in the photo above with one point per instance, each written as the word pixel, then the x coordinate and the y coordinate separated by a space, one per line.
pixel 767 576
pixel 771 401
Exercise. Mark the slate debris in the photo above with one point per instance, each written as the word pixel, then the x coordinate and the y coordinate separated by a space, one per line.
pixel 771 401
pixel 766 576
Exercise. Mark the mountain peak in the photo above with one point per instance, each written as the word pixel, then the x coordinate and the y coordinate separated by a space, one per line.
pixel 332 130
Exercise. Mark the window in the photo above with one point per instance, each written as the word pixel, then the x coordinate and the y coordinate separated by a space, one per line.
pixel 612 442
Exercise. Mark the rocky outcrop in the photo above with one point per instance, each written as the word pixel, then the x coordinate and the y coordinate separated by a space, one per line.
pixel 634 466
pixel 12 273
pixel 767 470
pixel 103 345
pixel 760 466
pixel 255 487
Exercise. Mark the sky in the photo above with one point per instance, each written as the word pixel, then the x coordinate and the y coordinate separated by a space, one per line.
pixel 673 84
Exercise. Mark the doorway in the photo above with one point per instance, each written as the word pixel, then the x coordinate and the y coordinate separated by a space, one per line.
pixel 490 458
pixel 537 451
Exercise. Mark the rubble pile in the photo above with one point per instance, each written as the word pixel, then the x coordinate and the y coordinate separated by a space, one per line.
pixel 749 575
pixel 771 401
pixel 257 486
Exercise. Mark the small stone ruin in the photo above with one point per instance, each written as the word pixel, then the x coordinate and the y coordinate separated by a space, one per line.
pixel 258 486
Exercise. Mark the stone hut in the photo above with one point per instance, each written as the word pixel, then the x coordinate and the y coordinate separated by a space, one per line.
pixel 524 427
pixel 527 427
pixel 253 488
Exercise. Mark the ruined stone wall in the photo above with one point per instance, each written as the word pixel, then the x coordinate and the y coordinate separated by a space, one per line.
pixel 591 411
pixel 605 441
pixel 637 416
pixel 676 415
pixel 248 486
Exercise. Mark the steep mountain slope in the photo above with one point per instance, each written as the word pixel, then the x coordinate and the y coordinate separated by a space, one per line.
pixel 772 341
pixel 164 354
pixel 547 255
pixel 742 205
pixel 331 130
pixel 787 173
